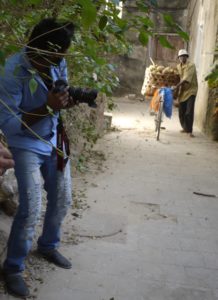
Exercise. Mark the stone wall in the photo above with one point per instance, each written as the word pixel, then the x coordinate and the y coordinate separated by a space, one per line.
pixel 84 126
pixel 211 126
pixel 131 68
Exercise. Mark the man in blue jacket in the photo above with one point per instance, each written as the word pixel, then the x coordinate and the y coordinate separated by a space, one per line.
pixel 29 114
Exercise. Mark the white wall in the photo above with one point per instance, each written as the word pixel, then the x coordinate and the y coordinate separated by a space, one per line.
pixel 203 22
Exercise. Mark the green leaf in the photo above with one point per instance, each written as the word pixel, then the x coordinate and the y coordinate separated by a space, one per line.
pixel 121 23
pixel 143 7
pixel 32 71
pixel 143 38
pixel 33 85
pixel 164 42
pixel 114 29
pixel 11 48
pixel 169 20
pixel 100 61
pixel 212 76
pixel 91 47
pixel 103 22
pixel 147 22
pixel 89 12
pixel 108 90
pixel 183 35
pixel 34 2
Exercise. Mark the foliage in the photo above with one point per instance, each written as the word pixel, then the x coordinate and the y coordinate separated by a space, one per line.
pixel 212 77
pixel 101 34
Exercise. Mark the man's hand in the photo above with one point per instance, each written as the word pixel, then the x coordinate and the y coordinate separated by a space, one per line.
pixel 71 103
pixel 6 161
pixel 58 101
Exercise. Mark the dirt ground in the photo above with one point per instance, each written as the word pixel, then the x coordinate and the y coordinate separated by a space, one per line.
pixel 141 209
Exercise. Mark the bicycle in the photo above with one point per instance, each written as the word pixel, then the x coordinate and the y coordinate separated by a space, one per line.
pixel 159 117
pixel 162 102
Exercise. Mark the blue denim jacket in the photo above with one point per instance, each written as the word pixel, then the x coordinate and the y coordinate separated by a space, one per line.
pixel 16 94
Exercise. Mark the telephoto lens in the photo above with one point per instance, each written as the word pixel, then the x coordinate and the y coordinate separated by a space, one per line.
pixel 78 94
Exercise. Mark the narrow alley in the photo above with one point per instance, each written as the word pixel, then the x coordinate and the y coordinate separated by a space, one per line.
pixel 143 224
pixel 150 230
pixel 147 233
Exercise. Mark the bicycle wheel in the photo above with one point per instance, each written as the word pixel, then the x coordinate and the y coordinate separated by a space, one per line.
pixel 155 121
pixel 159 120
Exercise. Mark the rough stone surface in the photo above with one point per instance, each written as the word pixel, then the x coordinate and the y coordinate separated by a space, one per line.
pixel 211 126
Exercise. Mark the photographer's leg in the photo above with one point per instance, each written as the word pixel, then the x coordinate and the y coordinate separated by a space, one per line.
pixel 27 171
pixel 59 196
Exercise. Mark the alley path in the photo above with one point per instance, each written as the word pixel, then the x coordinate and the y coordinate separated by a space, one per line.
pixel 153 238
pixel 146 235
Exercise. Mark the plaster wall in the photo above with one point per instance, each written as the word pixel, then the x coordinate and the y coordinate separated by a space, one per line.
pixel 203 22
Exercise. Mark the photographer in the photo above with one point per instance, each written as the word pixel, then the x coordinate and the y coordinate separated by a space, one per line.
pixel 29 120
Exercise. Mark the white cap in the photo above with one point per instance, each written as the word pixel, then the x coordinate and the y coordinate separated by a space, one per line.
pixel 182 52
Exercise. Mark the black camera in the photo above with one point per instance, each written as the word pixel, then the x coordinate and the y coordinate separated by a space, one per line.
pixel 78 94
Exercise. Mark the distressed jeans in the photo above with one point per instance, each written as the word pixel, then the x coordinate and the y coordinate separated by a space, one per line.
pixel 29 167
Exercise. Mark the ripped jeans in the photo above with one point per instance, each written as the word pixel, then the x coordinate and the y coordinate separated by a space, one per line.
pixel 29 167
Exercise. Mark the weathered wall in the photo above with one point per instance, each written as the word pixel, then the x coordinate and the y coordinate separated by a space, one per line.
pixel 202 22
pixel 211 126
pixel 178 10
pixel 131 68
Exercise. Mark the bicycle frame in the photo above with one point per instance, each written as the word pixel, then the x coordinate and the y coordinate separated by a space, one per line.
pixel 158 117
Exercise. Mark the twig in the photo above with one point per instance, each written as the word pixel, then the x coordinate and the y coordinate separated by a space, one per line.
pixel 98 236
pixel 205 195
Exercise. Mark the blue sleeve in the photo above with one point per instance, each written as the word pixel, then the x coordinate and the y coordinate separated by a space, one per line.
pixel 10 100
pixel 63 70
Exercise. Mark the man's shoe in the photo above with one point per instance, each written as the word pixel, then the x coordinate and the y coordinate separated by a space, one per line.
pixel 16 285
pixel 56 258
pixel 191 135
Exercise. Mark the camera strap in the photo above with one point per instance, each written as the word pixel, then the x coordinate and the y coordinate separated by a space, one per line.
pixel 63 145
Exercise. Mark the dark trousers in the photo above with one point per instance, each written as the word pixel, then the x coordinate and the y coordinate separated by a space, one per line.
pixel 186 113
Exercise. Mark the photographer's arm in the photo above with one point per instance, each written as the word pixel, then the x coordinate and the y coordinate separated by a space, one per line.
pixel 55 101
